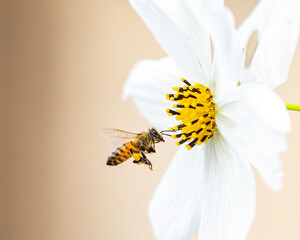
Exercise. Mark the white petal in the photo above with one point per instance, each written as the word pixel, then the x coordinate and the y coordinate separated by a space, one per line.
pixel 261 123
pixel 175 206
pixel 256 21
pixel 227 52
pixel 228 198
pixel 147 86
pixel 209 186
pixel 277 23
pixel 178 27
pixel 214 3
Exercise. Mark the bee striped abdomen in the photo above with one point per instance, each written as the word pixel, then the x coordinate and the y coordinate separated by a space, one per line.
pixel 121 154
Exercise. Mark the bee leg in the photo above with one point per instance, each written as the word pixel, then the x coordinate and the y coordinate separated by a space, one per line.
pixel 138 159
pixel 143 158
pixel 135 155
pixel 151 149
pixel 149 164
pixel 146 161
pixel 137 162
pixel 143 155
pixel 142 148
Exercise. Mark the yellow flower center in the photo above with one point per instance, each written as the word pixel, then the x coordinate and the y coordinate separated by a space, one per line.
pixel 195 109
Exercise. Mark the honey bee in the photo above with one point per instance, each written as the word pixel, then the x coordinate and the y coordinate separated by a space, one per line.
pixel 137 145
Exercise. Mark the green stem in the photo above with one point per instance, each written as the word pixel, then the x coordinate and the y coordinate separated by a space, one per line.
pixel 293 107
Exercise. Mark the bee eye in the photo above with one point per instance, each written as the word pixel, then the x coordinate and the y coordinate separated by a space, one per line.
pixel 154 132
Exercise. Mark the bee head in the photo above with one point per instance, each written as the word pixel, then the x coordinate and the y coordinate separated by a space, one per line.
pixel 156 135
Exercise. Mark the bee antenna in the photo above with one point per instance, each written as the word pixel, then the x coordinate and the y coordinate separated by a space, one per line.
pixel 167 131
pixel 164 134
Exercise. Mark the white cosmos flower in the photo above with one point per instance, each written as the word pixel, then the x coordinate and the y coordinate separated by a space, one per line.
pixel 210 189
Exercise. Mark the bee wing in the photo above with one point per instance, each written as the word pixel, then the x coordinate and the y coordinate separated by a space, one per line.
pixel 117 137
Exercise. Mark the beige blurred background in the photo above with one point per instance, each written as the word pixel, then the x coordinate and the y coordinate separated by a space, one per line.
pixel 63 64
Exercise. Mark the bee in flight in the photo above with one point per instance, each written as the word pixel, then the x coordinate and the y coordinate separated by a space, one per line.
pixel 137 145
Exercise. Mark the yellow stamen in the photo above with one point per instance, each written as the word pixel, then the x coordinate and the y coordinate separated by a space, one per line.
pixel 188 147
pixel 195 110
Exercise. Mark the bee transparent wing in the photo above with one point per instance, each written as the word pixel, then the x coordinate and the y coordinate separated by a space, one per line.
pixel 117 137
